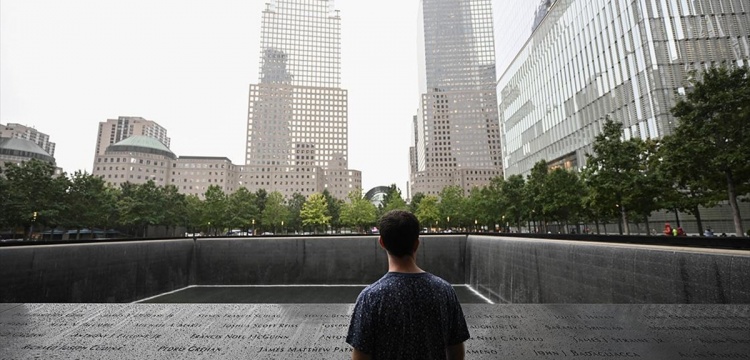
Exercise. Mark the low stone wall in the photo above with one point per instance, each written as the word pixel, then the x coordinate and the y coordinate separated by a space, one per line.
pixel 94 272
pixel 516 270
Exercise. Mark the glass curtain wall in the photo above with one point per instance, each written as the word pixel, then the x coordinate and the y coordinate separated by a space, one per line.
pixel 626 59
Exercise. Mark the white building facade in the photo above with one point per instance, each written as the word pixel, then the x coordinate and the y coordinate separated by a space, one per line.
pixel 624 59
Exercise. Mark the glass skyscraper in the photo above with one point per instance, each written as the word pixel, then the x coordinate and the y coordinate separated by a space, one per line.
pixel 626 59
pixel 297 118
pixel 457 136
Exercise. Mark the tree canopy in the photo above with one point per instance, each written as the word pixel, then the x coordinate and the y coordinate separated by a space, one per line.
pixel 712 137
pixel 358 211
pixel 315 212
pixel 275 212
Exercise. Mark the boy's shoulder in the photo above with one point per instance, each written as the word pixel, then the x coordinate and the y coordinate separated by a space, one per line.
pixel 395 280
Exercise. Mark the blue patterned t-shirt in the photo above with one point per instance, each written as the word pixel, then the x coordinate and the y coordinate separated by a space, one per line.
pixel 407 316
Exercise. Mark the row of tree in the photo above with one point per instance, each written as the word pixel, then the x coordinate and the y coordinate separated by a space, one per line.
pixel 705 161
pixel 34 198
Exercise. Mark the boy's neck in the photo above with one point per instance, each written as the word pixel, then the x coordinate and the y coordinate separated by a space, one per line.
pixel 406 264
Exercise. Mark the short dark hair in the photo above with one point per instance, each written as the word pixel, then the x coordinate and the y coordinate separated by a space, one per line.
pixel 400 231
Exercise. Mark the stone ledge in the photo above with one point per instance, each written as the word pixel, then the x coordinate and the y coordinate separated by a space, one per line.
pixel 269 331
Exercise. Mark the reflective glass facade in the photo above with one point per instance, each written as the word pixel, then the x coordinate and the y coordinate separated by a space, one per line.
pixel 626 59
pixel 297 113
pixel 457 137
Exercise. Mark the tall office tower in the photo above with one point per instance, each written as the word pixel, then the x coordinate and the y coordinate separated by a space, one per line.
pixel 457 135
pixel 627 59
pixel 113 131
pixel 19 131
pixel 297 129
pixel 541 12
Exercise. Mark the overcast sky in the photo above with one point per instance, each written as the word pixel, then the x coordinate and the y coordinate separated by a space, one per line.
pixel 67 65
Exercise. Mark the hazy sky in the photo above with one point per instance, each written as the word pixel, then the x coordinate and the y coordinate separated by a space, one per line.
pixel 186 64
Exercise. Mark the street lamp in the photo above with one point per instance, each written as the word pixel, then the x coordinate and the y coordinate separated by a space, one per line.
pixel 475 225
pixel 282 226
pixel 31 228
pixel 253 227
pixel 448 223
pixel 533 218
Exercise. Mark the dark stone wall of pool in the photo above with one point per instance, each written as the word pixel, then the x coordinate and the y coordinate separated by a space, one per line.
pixel 518 270
pixel 94 272
pixel 317 260
pixel 505 269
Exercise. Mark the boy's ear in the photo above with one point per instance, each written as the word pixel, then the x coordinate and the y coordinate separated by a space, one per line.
pixel 416 246
pixel 380 242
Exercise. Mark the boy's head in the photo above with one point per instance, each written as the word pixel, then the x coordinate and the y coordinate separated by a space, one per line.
pixel 399 231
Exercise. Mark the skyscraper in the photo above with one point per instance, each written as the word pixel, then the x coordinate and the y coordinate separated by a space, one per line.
pixel 297 129
pixel 629 60
pixel 457 135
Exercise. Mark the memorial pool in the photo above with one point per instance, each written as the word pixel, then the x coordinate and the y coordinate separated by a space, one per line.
pixel 276 294
pixel 221 299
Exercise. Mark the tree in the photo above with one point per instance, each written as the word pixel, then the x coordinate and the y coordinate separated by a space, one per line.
pixel 481 206
pixel 193 212
pixel 175 207
pixel 535 193
pixel 334 209
pixel 4 199
pixel 358 211
pixel 315 212
pixel 597 203
pixel 714 121
pixel 87 202
pixel 452 208
pixel 242 209
pixel 687 185
pixel 140 206
pixel 215 209
pixel 648 186
pixel 33 188
pixel 493 202
pixel 563 195
pixel 414 203
pixel 512 194
pixel 393 200
pixel 616 172
pixel 275 212
pixel 260 197
pixel 428 212
pixel 295 205
pixel 112 214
